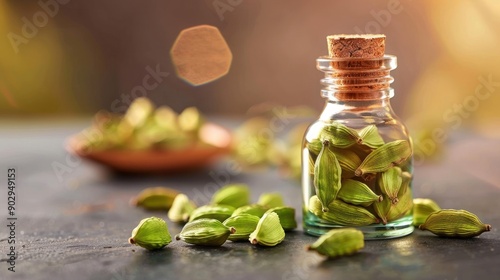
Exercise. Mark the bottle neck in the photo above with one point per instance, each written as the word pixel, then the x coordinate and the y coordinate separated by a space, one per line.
pixel 374 109
pixel 357 79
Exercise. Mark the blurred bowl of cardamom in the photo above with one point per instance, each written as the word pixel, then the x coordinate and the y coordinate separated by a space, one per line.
pixel 147 139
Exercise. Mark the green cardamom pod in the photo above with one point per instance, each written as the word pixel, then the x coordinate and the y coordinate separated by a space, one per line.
pixel 314 146
pixel 181 209
pixel 384 157
pixel 349 161
pixel 422 208
pixel 244 224
pixel 235 195
pixel 381 208
pixel 268 232
pixel 287 217
pixel 157 198
pixel 138 112
pixel 339 242
pixel 454 223
pixel 166 118
pixel 370 137
pixel 339 135
pixel 151 233
pixel 206 232
pixel 405 183
pixel 252 209
pixel 361 151
pixel 190 120
pixel 357 193
pixel 402 208
pixel 218 212
pixel 327 176
pixel 270 200
pixel 342 213
pixel 390 182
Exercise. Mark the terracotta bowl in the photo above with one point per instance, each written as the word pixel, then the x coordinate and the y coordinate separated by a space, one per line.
pixel 160 160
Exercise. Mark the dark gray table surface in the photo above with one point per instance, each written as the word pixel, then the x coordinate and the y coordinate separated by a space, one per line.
pixel 74 223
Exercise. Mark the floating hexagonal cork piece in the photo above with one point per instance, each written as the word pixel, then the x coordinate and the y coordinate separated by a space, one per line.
pixel 201 55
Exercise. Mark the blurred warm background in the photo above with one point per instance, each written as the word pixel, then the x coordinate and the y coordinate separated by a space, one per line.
pixel 73 58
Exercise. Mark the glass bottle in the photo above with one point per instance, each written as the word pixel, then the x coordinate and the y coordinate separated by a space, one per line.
pixel 357 120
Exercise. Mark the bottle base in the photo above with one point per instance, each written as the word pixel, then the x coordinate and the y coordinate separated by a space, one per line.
pixel 399 228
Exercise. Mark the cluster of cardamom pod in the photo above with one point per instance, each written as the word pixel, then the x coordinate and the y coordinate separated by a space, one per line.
pixel 359 179
pixel 143 127
pixel 229 216
pixel 427 215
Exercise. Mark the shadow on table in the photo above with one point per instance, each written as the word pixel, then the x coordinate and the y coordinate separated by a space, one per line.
pixel 153 258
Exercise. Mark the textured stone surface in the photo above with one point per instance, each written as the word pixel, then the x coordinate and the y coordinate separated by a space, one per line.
pixel 77 227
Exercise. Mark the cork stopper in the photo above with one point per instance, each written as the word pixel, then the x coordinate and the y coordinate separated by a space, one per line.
pixel 358 66
pixel 360 46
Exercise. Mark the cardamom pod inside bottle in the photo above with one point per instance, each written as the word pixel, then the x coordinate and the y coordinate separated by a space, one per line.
pixel 357 137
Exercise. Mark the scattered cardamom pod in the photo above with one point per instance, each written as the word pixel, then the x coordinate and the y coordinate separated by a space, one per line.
pixel 244 224
pixel 151 233
pixel 157 198
pixel 218 212
pixel 422 208
pixel 349 161
pixel 384 157
pixel 339 242
pixel 252 209
pixel 454 223
pixel 270 200
pixel 268 232
pixel 370 137
pixel 287 217
pixel 327 176
pixel 389 182
pixel 181 209
pixel 342 213
pixel 339 135
pixel 235 195
pixel 206 232
pixel 357 193
pixel 402 208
